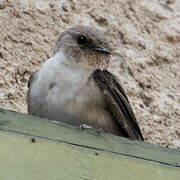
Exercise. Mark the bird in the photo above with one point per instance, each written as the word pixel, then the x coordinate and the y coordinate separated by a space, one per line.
pixel 75 87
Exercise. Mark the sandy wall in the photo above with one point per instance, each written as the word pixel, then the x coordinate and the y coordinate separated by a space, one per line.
pixel 144 36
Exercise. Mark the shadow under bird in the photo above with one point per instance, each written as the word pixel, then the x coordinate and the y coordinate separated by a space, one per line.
pixel 74 86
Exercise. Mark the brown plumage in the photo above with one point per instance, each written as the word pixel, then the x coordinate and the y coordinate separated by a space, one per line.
pixel 75 87
pixel 118 103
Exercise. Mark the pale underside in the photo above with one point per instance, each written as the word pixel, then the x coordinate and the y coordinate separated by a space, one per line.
pixel 67 94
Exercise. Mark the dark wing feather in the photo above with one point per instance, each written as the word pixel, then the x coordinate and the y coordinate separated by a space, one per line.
pixel 32 78
pixel 118 103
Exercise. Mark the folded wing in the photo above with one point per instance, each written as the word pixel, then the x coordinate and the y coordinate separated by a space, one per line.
pixel 118 103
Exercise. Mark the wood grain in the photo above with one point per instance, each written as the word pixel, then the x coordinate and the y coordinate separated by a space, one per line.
pixel 60 151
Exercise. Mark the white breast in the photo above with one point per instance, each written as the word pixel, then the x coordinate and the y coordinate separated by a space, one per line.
pixel 62 90
pixel 68 94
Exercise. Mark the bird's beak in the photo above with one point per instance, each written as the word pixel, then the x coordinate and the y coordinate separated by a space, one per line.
pixel 102 50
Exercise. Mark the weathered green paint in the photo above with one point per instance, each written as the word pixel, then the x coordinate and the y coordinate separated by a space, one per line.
pixel 64 152
pixel 49 160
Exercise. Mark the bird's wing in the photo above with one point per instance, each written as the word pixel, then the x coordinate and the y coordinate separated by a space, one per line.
pixel 32 79
pixel 118 103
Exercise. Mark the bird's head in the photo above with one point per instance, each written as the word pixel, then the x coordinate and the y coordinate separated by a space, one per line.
pixel 84 47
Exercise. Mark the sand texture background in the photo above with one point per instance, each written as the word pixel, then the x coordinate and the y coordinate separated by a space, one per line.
pixel 145 39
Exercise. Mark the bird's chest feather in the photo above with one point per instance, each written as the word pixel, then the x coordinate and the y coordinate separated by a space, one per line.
pixel 72 91
pixel 66 94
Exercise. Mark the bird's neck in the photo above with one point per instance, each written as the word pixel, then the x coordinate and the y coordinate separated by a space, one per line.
pixel 73 66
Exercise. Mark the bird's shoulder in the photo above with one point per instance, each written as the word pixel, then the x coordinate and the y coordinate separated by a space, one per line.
pixel 32 79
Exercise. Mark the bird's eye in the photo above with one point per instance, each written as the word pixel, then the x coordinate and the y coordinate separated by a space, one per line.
pixel 81 40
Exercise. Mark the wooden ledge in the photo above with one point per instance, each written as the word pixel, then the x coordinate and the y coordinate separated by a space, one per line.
pixel 35 148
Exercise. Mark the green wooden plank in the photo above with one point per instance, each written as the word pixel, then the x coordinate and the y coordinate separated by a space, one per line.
pixel 52 160
pixel 16 122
